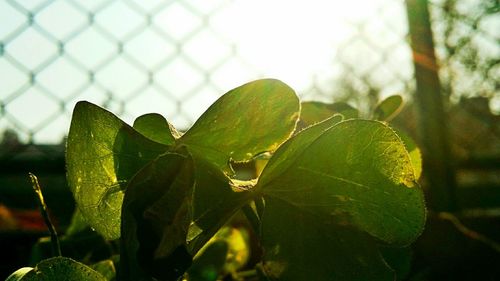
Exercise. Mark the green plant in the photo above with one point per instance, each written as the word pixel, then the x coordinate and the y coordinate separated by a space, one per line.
pixel 337 200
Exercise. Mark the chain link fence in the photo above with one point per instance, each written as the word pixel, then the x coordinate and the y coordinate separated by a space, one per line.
pixel 177 57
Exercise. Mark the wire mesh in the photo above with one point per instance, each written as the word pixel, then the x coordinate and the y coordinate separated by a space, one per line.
pixel 177 57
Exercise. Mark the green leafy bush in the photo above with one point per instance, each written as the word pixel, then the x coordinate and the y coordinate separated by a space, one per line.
pixel 337 200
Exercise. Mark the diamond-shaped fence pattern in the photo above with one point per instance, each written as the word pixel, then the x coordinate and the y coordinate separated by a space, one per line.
pixel 177 57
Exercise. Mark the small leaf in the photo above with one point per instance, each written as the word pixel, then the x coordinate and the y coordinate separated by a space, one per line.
pixel 251 119
pixel 102 154
pixel 62 269
pixel 156 128
pixel 345 109
pixel 106 268
pixel 312 112
pixel 388 108
pixel 155 219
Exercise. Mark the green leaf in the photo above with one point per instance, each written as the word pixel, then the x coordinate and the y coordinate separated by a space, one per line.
pixel 78 224
pixel 414 151
pixel 62 269
pixel 345 109
pixel 106 268
pixel 102 154
pixel 388 108
pixel 216 199
pixel 251 119
pixel 288 153
pixel 156 128
pixel 155 219
pixel 312 112
pixel 355 174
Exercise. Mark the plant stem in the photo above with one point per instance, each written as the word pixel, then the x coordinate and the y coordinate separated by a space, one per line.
pixel 252 218
pixel 469 232
pixel 56 248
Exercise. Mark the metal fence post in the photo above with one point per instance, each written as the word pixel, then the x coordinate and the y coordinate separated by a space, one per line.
pixel 432 124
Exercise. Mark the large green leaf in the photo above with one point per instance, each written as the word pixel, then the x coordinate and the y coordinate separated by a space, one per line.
pixel 102 154
pixel 155 219
pixel 62 269
pixel 251 119
pixel 355 174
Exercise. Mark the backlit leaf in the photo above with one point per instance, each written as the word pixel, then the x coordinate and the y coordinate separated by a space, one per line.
pixel 312 112
pixel 355 174
pixel 251 119
pixel 388 108
pixel 156 128
pixel 102 154
pixel 155 219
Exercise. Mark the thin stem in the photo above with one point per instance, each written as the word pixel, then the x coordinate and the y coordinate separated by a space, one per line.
pixel 56 248
pixel 469 232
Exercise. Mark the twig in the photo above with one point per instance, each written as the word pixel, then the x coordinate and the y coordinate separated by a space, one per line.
pixel 56 248
pixel 469 232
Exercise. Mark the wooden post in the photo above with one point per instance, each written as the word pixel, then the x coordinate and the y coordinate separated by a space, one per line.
pixel 431 118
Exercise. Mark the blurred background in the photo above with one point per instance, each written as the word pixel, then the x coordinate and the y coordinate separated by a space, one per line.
pixel 177 57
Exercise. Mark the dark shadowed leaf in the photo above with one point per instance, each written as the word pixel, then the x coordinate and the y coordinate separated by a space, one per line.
pixel 399 259
pixel 301 246
pixel 355 174
pixel 62 269
pixel 215 201
pixel 102 154
pixel 155 219
pixel 246 121
pixel 388 108
pixel 156 128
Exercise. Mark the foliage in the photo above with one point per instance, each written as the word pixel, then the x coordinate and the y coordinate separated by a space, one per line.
pixel 336 200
